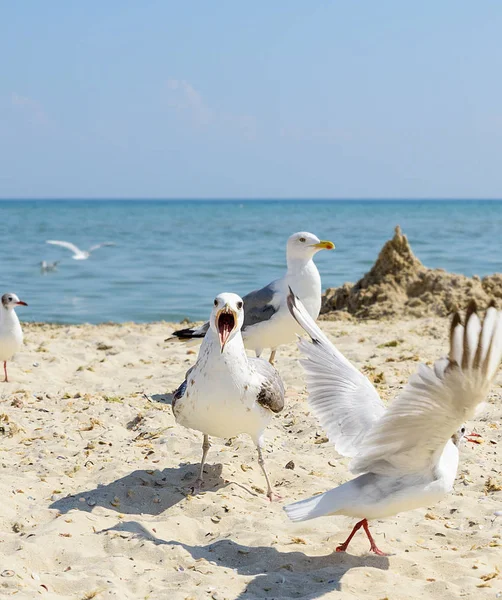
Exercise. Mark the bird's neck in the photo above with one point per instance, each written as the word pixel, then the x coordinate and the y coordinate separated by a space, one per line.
pixel 233 356
pixel 299 264
pixel 8 317
pixel 447 464
pixel 304 279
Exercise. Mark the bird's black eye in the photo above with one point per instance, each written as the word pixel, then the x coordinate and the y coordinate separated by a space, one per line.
pixel 9 298
pixel 302 239
pixel 462 430
pixel 216 301
pixel 239 305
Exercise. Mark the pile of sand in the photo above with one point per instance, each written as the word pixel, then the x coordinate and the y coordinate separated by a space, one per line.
pixel 399 284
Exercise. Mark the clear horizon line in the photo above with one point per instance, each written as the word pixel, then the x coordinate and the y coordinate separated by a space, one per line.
pixel 253 199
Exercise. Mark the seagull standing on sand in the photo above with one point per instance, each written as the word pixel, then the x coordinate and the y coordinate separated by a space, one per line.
pixel 406 456
pixel 226 393
pixel 11 334
pixel 77 253
pixel 267 321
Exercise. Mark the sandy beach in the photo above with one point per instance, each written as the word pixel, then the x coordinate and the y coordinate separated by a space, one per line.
pixel 95 478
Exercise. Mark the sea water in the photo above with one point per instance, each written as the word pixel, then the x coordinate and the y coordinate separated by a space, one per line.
pixel 172 257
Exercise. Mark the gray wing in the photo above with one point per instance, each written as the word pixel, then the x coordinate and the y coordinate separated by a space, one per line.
pixel 271 394
pixel 259 305
pixel 180 391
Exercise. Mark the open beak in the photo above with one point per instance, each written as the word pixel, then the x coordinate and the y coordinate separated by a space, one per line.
pixel 226 321
pixel 324 245
pixel 477 438
pixel 21 303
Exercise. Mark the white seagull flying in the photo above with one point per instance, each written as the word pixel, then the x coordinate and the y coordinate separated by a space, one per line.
pixel 226 393
pixel 267 321
pixel 77 253
pixel 406 456
pixel 11 334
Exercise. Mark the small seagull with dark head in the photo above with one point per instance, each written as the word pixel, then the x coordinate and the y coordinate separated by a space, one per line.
pixel 11 334
pixel 405 456
pixel 226 393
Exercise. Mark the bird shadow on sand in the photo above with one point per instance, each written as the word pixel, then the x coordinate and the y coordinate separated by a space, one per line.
pixel 144 492
pixel 276 574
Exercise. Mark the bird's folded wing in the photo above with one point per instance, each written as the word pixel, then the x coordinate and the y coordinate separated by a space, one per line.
pixel 67 245
pixel 341 397
pixel 435 402
pixel 271 394
pixel 260 305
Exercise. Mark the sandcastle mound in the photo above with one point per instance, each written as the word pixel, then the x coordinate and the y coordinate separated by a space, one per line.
pixel 399 284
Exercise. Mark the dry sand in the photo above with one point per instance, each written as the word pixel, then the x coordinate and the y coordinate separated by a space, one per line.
pixel 94 472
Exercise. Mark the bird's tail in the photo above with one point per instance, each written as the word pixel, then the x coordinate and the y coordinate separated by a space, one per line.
pixel 303 510
pixel 328 503
pixel 195 334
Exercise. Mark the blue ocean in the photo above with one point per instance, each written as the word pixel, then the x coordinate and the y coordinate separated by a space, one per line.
pixel 172 257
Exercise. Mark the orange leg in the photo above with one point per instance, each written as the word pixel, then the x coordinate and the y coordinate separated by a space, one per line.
pixel 357 526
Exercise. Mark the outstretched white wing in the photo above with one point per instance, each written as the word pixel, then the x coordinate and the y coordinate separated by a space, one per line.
pixel 343 399
pixel 92 248
pixel 414 430
pixel 67 245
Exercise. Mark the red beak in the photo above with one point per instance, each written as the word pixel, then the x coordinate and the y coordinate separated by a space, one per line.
pixel 21 303
pixel 469 437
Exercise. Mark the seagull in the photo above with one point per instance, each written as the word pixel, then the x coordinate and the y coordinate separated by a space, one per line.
pixel 47 267
pixel 267 322
pixel 227 393
pixel 11 334
pixel 405 456
pixel 77 253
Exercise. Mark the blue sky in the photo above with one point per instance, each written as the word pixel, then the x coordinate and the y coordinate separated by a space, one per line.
pixel 227 99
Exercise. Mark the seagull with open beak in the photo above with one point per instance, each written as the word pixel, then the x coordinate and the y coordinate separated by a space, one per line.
pixel 267 321
pixel 11 334
pixel 226 393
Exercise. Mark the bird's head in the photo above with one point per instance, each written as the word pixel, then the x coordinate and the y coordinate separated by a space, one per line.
pixel 303 245
pixel 227 316
pixel 10 301
pixel 460 436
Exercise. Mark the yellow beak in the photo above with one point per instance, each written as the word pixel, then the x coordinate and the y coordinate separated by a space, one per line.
pixel 323 245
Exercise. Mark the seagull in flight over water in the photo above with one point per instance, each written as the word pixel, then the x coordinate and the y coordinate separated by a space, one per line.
pixel 267 321
pixel 77 253
pixel 226 393
pixel 405 456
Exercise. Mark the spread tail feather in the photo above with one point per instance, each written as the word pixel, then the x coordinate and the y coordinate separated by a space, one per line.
pixel 303 510
pixel 328 503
